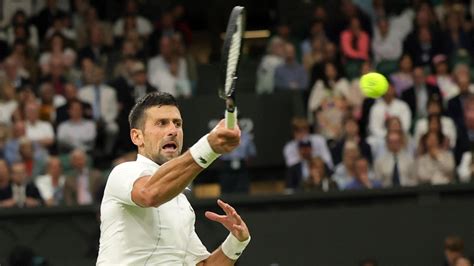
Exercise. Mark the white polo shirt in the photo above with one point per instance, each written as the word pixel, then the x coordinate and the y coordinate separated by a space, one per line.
pixel 132 235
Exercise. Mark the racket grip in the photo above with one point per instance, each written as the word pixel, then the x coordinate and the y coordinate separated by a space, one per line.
pixel 231 119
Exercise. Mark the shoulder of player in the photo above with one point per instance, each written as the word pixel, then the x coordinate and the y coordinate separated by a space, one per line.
pixel 125 167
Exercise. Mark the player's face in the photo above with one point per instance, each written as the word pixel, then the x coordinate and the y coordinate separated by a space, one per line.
pixel 163 133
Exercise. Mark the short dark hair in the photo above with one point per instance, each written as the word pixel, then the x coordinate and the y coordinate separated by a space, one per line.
pixel 135 118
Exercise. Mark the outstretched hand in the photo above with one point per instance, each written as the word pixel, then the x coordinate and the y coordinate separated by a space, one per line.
pixel 231 220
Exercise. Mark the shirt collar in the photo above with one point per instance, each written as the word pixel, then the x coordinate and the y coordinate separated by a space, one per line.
pixel 143 159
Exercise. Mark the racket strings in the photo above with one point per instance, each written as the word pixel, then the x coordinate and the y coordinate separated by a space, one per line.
pixel 233 56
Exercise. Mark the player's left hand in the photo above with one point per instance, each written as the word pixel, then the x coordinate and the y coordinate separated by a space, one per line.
pixel 231 220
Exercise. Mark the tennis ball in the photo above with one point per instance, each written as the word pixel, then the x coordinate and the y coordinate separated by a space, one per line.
pixel 373 85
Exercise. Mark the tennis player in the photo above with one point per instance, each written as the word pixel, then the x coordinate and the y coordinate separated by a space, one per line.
pixel 145 217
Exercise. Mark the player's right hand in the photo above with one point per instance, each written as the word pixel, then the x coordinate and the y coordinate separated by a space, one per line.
pixel 222 139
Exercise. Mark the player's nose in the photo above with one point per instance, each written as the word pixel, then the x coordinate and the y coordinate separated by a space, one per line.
pixel 172 130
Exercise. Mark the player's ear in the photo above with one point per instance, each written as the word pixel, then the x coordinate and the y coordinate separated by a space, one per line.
pixel 137 136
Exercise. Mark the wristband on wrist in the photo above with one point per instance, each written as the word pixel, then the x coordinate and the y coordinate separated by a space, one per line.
pixel 232 247
pixel 202 152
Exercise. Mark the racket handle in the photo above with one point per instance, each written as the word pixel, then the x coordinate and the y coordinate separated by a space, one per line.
pixel 231 118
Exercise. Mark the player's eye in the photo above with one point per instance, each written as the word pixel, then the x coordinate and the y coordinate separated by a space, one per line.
pixel 178 124
pixel 161 122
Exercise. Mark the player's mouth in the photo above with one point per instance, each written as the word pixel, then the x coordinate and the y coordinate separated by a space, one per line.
pixel 170 146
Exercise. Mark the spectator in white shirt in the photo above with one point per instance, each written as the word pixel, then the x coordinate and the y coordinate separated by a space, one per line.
pixel 37 130
pixel 465 169
pixel 168 71
pixel 143 26
pixel 270 61
pixel 103 100
pixel 301 132
pixel 51 185
pixel 8 104
pixel 386 107
pixel 77 132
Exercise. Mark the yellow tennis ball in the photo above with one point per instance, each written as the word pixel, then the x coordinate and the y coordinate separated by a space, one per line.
pixel 373 85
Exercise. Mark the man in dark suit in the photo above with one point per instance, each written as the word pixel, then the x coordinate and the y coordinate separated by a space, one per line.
pixel 20 192
pixel 70 93
pixel 456 104
pixel 300 172
pixel 130 87
pixel 96 50
pixel 417 96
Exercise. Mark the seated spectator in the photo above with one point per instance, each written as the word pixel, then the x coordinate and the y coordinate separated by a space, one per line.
pixel 90 20
pixel 441 77
pixel 465 90
pixel 345 171
pixel 76 132
pixel 5 200
pixel 316 53
pixel 417 96
pixel 351 133
pixel 24 56
pixel 56 49
pixel 299 173
pixel 447 127
pixel 83 182
pixel 434 125
pixel 14 73
pixel 49 101
pixel 132 17
pixel 301 131
pixel 37 130
pixel 331 54
pixel 453 249
pixel 57 76
pixel 45 17
pixel 62 25
pixel 103 100
pixel 363 178
pixel 333 84
pixel 20 18
pixel 316 31
pixel 436 165
pixel 96 48
pixel 8 103
pixel 403 78
pixel 355 42
pixel 422 46
pixel 465 170
pixel 290 75
pixel 396 166
pixel 454 36
pixel 387 42
pixel 465 136
pixel 319 180
pixel 51 184
pixel 183 52
pixel 386 107
pixel 168 71
pixel 33 156
pixel 70 94
pixel 234 174
pixel 21 192
pixel 270 61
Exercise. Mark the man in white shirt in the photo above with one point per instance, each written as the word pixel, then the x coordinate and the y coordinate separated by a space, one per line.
pixel 168 71
pixel 386 107
pixel 37 130
pixel 77 132
pixel 145 217
pixel 51 185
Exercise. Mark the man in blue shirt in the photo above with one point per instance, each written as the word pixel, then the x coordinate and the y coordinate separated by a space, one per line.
pixel 361 178
pixel 291 75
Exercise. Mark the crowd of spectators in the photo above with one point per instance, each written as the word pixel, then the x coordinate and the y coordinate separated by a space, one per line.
pixel 69 78
pixel 418 133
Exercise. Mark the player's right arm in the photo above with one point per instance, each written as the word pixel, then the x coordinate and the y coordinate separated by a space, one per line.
pixel 173 176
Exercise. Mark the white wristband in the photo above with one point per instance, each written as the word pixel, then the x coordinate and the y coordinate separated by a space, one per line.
pixel 232 247
pixel 202 152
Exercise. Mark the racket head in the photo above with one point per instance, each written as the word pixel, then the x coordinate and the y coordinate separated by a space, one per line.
pixel 231 51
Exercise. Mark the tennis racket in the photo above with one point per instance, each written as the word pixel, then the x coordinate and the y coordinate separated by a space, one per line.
pixel 230 62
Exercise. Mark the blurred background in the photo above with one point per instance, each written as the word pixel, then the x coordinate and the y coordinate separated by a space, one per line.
pixel 323 176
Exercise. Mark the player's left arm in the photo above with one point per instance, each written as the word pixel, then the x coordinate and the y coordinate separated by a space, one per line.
pixel 234 245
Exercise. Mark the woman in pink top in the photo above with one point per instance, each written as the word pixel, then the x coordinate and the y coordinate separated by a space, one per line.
pixel 355 42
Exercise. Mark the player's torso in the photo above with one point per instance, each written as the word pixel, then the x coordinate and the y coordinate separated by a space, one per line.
pixel 133 235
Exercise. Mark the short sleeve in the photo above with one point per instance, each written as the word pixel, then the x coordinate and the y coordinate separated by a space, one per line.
pixel 196 251
pixel 121 180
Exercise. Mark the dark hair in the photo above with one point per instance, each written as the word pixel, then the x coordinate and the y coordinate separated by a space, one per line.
pixel 135 118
